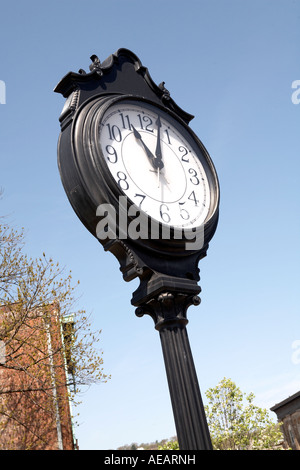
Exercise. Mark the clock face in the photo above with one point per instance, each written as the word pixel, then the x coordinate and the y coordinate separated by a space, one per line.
pixel 156 163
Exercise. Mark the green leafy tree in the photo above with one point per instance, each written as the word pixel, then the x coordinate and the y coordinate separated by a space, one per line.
pixel 170 445
pixel 38 306
pixel 235 423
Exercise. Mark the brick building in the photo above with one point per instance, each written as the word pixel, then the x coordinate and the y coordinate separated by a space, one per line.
pixel 288 412
pixel 34 397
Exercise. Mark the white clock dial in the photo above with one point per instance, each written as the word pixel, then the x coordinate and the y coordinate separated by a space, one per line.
pixel 155 163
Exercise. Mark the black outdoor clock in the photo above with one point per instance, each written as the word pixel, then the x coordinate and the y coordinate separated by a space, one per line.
pixel 144 185
pixel 157 162
pixel 122 135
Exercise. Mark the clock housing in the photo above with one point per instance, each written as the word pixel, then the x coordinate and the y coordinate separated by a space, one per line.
pixel 92 144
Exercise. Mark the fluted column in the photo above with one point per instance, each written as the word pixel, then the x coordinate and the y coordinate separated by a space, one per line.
pixel 168 311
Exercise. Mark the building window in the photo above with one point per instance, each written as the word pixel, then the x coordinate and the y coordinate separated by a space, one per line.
pixel 68 330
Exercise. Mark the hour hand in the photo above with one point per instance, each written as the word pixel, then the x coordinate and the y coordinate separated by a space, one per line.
pixel 138 136
pixel 150 155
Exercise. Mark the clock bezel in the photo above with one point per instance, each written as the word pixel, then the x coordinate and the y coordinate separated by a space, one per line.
pixel 100 184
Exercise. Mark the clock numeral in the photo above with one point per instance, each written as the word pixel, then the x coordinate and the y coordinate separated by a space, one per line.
pixel 194 179
pixel 143 122
pixel 114 132
pixel 142 196
pixel 183 212
pixel 167 132
pixel 125 121
pixel 113 157
pixel 164 215
pixel 183 149
pixel 192 197
pixel 122 181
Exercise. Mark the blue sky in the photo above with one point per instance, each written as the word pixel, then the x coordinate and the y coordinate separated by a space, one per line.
pixel 231 64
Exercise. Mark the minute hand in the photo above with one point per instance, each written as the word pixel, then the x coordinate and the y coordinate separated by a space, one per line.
pixel 158 147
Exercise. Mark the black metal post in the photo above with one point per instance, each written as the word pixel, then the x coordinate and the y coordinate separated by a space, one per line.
pixel 188 410
pixel 169 313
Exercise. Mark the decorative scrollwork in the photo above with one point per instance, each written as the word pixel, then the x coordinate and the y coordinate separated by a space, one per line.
pixel 96 65
pixel 166 94
pixel 168 310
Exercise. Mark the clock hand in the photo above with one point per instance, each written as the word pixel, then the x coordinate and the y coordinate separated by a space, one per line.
pixel 158 152
pixel 161 174
pixel 158 147
pixel 150 155
pixel 138 136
